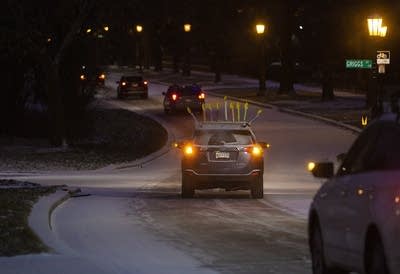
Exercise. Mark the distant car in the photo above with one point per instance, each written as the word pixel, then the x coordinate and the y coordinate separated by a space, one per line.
pixel 222 155
pixel 132 85
pixel 354 219
pixel 178 98
pixel 94 76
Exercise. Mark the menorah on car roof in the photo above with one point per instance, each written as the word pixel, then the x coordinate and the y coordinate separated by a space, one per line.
pixel 231 113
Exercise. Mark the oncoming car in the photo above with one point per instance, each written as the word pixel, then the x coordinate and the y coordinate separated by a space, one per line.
pixel 222 155
pixel 354 219
pixel 178 98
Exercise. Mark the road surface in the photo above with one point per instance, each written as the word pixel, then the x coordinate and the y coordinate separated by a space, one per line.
pixel 134 221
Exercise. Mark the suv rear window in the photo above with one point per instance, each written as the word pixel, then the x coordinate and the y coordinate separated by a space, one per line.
pixel 133 79
pixel 190 90
pixel 223 137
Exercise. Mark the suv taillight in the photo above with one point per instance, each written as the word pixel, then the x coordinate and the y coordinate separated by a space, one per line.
pixel 202 95
pixel 174 96
pixel 254 150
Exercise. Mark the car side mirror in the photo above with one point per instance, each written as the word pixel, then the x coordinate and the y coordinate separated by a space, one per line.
pixel 179 144
pixel 264 144
pixel 163 93
pixel 321 170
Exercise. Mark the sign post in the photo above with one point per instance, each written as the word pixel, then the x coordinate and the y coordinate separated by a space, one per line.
pixel 382 59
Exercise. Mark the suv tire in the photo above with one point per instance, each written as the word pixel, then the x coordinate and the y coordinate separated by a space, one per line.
pixel 257 188
pixel 317 253
pixel 376 261
pixel 187 187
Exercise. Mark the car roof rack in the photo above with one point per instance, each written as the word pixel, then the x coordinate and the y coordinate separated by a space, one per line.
pixel 231 116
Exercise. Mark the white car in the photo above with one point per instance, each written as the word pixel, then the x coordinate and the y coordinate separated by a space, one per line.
pixel 354 219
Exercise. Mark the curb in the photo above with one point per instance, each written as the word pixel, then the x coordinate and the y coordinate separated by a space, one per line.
pixel 39 219
pixel 291 111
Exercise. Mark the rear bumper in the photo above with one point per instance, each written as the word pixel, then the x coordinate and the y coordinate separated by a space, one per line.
pixel 128 92
pixel 223 180
pixel 194 105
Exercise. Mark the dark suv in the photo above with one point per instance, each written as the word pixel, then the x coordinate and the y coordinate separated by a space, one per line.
pixel 222 155
pixel 178 98
pixel 132 85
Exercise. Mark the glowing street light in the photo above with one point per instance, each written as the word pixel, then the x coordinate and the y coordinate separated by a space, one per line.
pixel 187 27
pixel 260 28
pixel 375 27
pixel 139 28
pixel 89 30
pixel 106 28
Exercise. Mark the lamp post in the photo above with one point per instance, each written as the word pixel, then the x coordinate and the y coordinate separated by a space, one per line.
pixel 139 29
pixel 260 29
pixel 376 31
pixel 187 28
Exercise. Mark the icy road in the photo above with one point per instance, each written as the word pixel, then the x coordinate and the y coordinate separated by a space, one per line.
pixel 134 221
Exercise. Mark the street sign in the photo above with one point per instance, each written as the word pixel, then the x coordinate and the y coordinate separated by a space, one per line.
pixel 359 63
pixel 383 57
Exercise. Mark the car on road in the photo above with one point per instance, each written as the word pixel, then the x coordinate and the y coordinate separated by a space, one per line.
pixel 222 155
pixel 132 85
pixel 354 219
pixel 179 98
pixel 96 76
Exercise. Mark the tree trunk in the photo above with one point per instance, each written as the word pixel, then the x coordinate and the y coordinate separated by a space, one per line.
pixel 55 106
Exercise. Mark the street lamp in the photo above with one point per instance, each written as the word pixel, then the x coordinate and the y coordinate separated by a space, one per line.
pixel 139 29
pixel 376 30
pixel 260 29
pixel 186 66
pixel 106 28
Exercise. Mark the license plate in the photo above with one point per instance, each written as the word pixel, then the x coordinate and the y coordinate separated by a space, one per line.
pixel 221 155
pixel 135 85
pixel 188 100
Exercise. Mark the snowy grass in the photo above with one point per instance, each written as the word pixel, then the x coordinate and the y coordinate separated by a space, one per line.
pixel 347 110
pixel 16 201
pixel 108 136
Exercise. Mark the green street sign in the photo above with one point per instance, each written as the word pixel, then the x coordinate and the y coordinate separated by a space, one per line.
pixel 359 64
